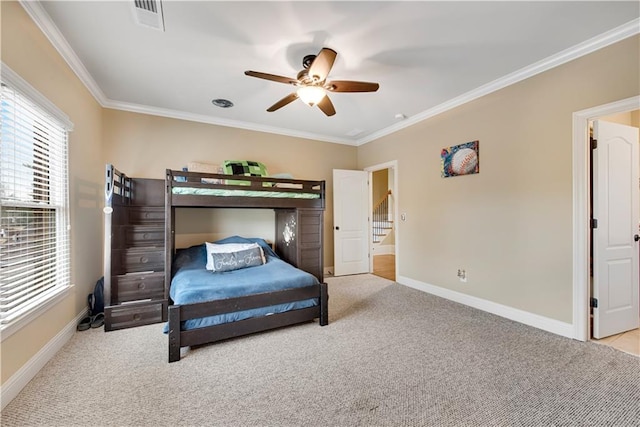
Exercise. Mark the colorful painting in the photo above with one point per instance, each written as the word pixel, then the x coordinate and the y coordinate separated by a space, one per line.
pixel 460 159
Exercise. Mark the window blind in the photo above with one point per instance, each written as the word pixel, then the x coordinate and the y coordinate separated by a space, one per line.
pixel 34 218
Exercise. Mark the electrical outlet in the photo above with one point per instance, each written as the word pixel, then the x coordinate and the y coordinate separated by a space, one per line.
pixel 462 275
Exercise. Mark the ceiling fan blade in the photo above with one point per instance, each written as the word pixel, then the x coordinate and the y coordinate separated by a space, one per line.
pixel 321 66
pixel 272 77
pixel 351 86
pixel 284 101
pixel 327 106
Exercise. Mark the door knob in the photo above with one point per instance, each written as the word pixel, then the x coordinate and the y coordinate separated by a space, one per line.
pixel 337 228
pixel 636 237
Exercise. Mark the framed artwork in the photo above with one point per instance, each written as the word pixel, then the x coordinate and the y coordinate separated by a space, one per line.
pixel 460 159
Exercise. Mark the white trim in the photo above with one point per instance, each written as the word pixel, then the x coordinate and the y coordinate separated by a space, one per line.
pixel 593 44
pixel 49 300
pixel 546 324
pixel 42 19
pixel 581 195
pixel 386 165
pixel 12 387
pixel 12 79
pixel 201 118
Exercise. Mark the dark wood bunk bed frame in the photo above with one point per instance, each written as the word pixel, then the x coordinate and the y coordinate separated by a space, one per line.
pixel 300 218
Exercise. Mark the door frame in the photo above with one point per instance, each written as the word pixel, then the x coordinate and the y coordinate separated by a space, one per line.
pixel 393 166
pixel 581 197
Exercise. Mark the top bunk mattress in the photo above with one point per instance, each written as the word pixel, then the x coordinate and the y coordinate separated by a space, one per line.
pixel 241 193
pixel 206 189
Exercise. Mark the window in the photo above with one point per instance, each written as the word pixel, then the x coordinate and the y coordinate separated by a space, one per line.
pixel 34 215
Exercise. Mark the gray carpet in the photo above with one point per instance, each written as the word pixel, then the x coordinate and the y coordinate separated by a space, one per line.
pixel 391 356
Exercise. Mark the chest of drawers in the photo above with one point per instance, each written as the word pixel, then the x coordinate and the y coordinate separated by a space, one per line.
pixel 135 291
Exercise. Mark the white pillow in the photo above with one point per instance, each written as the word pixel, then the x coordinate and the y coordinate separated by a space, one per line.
pixel 230 248
pixel 206 168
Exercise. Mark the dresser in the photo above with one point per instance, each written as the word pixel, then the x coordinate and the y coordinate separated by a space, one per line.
pixel 135 292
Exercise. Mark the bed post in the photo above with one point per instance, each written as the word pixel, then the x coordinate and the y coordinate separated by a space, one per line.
pixel 169 237
pixel 174 333
pixel 173 310
pixel 324 304
pixel 108 220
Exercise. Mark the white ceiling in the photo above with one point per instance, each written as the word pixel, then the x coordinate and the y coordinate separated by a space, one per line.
pixel 427 56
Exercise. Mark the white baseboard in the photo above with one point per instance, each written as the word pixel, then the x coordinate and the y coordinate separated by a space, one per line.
pixel 546 324
pixel 384 249
pixel 20 379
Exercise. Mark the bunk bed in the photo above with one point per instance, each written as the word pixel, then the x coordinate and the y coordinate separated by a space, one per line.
pixel 299 206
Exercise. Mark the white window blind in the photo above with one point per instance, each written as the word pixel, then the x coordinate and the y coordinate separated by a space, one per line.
pixel 34 218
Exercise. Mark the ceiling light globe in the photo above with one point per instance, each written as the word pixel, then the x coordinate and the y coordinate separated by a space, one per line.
pixel 311 95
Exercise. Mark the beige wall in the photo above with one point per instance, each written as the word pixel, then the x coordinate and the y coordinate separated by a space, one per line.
pixel 27 52
pixel 144 146
pixel 510 226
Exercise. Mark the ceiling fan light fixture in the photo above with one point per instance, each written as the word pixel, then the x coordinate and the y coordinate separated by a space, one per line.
pixel 312 84
pixel 311 95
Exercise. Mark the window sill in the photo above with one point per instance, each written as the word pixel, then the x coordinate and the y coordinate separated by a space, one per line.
pixel 52 299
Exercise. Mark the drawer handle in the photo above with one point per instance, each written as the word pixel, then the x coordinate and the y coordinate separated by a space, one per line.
pixel 136 316
pixel 146 214
pixel 144 259
pixel 145 236
pixel 141 286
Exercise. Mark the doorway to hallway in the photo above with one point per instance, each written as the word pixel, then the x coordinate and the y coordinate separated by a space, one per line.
pixel 383 220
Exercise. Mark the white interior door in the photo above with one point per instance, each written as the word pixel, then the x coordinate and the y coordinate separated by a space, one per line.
pixel 615 239
pixel 350 222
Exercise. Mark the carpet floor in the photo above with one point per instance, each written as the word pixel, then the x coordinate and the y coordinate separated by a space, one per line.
pixel 391 356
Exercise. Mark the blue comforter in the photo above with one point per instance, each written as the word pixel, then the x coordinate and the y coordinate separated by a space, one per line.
pixel 192 283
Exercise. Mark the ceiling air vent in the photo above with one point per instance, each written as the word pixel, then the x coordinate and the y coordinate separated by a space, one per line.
pixel 149 13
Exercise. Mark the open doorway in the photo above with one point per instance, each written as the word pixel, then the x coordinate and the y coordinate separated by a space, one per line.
pixel 582 209
pixel 383 212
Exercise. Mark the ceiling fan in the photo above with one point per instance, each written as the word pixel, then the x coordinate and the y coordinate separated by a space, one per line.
pixel 312 83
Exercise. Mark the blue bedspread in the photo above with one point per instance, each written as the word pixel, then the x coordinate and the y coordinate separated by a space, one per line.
pixel 192 283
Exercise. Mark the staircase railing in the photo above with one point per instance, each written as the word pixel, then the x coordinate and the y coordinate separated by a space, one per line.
pixel 382 221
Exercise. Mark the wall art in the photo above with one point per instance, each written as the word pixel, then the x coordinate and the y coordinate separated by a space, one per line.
pixel 460 159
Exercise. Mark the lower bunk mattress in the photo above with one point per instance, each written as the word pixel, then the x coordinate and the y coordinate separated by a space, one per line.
pixel 193 283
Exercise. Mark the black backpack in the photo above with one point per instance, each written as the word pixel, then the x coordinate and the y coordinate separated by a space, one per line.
pixel 96 299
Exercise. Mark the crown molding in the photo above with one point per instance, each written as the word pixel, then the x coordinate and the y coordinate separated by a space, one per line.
pixel 201 118
pixel 42 19
pixel 50 30
pixel 589 46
